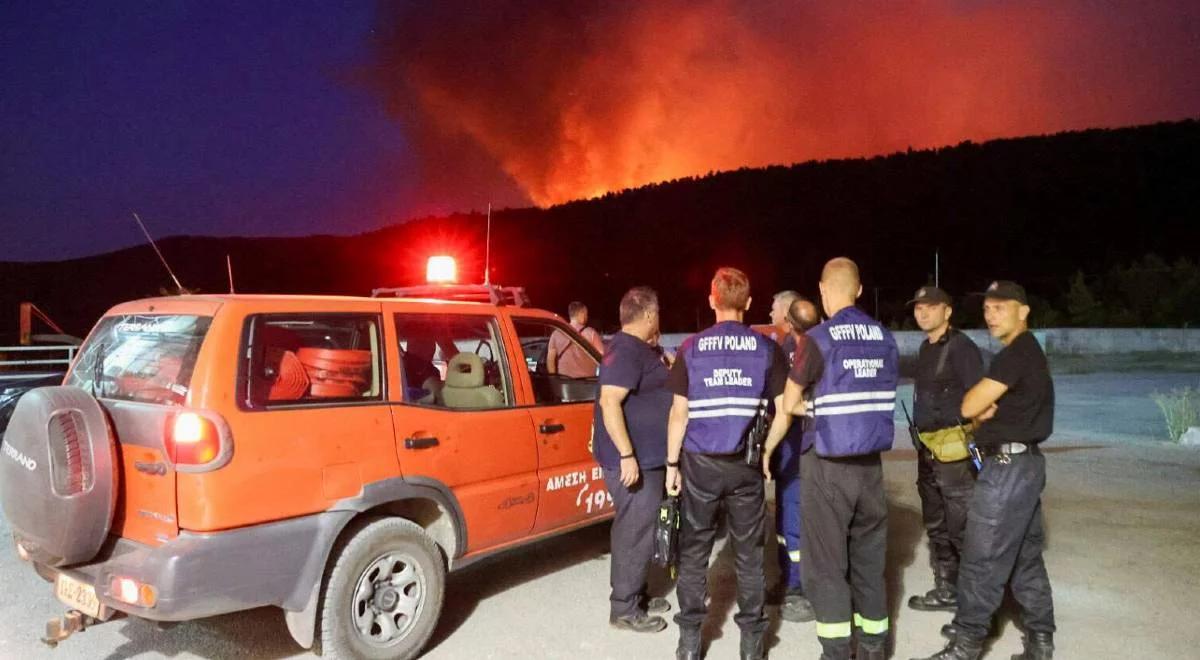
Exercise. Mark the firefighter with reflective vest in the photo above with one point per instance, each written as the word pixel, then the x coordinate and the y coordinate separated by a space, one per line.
pixel 848 371
pixel 722 380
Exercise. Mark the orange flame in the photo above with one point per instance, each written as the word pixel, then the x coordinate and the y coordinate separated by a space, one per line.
pixel 579 98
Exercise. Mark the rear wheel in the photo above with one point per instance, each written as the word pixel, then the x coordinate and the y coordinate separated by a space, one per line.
pixel 383 593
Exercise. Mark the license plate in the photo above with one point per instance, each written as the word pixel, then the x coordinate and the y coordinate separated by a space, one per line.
pixel 79 595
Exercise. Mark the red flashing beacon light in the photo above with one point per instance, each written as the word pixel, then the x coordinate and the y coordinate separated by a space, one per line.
pixel 441 270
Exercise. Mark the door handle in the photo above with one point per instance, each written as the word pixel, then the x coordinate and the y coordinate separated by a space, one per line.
pixel 420 443
pixel 552 428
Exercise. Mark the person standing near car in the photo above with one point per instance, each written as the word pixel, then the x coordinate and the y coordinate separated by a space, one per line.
pixel 948 364
pixel 630 444
pixel 722 381
pixel 567 358
pixel 1005 534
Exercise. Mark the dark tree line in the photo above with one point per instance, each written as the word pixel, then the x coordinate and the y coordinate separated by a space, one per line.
pixel 1037 210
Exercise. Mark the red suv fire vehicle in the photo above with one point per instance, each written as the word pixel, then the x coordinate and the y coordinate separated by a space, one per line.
pixel 330 456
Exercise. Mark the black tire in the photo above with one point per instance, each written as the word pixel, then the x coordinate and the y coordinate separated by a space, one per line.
pixel 381 547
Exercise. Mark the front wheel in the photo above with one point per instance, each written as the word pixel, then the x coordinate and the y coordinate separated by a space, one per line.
pixel 383 593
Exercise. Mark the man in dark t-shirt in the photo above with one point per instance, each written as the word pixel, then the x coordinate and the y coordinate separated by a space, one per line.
pixel 630 444
pixel 1014 408
pixel 948 364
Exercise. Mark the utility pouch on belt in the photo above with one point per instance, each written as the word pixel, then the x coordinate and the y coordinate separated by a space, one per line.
pixel 949 444
pixel 756 437
pixel 666 534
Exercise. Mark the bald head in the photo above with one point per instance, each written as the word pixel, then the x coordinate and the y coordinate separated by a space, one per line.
pixel 840 275
pixel 840 285
pixel 802 314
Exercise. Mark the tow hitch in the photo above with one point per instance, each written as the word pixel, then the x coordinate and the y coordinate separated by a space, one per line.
pixel 70 623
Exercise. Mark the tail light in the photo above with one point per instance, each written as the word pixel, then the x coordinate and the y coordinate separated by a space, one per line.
pixel 128 590
pixel 195 440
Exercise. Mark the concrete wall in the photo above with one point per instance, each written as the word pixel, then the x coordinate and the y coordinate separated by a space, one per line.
pixel 1060 341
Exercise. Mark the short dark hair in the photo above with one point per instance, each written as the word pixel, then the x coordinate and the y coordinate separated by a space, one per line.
pixel 574 308
pixel 636 302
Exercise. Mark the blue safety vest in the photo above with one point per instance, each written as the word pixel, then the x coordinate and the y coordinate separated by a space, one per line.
pixel 853 402
pixel 727 368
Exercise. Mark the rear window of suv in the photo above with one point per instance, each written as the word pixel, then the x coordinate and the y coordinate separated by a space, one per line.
pixel 141 357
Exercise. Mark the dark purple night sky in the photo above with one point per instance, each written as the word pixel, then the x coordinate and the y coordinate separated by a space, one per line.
pixel 294 118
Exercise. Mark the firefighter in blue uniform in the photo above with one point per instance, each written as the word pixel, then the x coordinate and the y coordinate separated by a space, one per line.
pixel 722 380
pixel 848 371
pixel 784 461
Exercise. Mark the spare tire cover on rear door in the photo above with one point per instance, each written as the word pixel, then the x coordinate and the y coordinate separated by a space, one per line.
pixel 58 478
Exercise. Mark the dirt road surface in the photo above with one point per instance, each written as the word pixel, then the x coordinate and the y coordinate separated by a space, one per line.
pixel 1123 519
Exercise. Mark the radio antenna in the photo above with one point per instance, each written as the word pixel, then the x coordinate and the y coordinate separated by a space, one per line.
pixel 487 250
pixel 178 286
pixel 229 269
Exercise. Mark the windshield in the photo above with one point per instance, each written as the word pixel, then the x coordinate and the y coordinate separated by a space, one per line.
pixel 141 357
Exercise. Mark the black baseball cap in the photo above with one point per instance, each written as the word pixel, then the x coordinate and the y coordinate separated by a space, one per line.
pixel 930 294
pixel 1006 290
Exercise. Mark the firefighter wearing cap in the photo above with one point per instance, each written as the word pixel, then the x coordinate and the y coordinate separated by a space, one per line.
pixel 1014 408
pixel 850 366
pixel 723 379
pixel 948 364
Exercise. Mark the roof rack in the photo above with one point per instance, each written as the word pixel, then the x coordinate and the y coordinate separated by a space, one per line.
pixel 487 293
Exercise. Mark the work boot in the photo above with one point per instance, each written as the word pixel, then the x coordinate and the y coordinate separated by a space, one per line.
pixel 870 651
pixel 960 649
pixel 689 644
pixel 657 605
pixel 942 598
pixel 950 631
pixel 638 623
pixel 797 608
pixel 1038 646
pixel 752 646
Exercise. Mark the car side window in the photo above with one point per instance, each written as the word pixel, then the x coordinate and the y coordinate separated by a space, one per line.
pixel 454 361
pixel 536 336
pixel 298 359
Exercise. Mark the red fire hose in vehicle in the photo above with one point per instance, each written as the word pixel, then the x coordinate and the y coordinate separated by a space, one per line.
pixel 336 372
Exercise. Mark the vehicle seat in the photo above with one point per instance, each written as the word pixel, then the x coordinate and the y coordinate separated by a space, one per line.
pixel 433 392
pixel 464 386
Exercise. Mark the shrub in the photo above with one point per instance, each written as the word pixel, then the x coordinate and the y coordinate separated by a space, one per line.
pixel 1180 408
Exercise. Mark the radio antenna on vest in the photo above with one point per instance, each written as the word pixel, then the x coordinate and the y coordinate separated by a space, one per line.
pixel 178 286
pixel 487 250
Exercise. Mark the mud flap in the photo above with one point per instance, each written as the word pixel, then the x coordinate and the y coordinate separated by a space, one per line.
pixel 303 624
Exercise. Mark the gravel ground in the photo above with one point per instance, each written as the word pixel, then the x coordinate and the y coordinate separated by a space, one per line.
pixel 1123 514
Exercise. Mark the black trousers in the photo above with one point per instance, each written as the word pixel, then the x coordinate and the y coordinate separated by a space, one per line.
pixel 945 490
pixel 632 537
pixel 845 549
pixel 710 483
pixel 1005 536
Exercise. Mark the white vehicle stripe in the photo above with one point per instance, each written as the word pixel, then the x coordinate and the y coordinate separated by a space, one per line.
pixel 723 412
pixel 856 408
pixel 880 395
pixel 728 401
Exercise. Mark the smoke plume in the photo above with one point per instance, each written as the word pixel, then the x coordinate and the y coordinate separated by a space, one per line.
pixel 575 98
